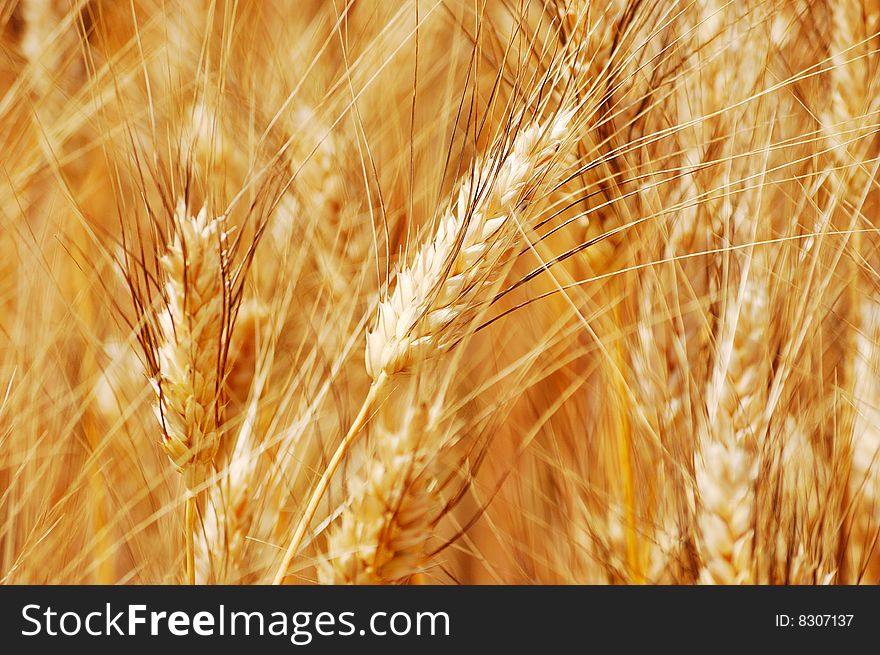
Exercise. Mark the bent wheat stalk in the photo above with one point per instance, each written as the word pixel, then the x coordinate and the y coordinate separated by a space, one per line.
pixel 435 296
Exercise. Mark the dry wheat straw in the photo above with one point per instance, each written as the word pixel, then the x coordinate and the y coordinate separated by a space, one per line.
pixel 742 397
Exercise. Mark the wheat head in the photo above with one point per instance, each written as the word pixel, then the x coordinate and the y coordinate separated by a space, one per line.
pixel 423 314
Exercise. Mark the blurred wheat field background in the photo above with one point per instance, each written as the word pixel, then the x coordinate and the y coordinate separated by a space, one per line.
pixel 440 292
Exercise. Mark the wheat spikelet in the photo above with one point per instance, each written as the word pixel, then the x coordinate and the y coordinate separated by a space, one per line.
pixel 382 535
pixel 423 315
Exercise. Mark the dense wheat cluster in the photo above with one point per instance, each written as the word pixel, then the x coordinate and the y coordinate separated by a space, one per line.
pixel 440 291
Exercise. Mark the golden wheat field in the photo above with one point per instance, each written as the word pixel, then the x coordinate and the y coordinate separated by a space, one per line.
pixel 440 292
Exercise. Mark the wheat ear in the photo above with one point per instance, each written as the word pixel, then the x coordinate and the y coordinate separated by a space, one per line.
pixel 382 535
pixel 725 475
pixel 426 312
pixel 189 382
pixel 726 468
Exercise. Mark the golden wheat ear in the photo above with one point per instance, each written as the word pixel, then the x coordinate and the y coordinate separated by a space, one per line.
pixel 188 346
pixel 449 274
pixel 725 474
pixel 189 384
pixel 384 532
